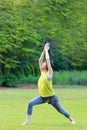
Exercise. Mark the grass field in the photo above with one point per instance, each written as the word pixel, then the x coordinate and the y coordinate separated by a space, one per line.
pixel 13 104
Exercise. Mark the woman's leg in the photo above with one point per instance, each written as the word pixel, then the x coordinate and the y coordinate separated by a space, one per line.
pixel 58 107
pixel 35 101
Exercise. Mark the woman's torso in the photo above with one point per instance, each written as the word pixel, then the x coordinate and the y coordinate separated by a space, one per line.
pixel 45 86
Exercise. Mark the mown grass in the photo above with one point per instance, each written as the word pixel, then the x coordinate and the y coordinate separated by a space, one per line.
pixel 13 104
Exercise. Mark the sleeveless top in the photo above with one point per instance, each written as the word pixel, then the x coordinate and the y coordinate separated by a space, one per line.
pixel 45 86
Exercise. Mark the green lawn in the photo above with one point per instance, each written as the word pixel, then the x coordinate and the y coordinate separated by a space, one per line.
pixel 13 104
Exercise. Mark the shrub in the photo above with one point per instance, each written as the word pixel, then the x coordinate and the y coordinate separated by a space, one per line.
pixel 1 78
pixel 31 79
pixel 78 80
pixel 11 80
pixel 55 78
pixel 61 77
pixel 28 79
pixel 22 79
pixel 70 77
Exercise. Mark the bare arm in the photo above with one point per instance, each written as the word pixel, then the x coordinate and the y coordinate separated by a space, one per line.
pixel 50 71
pixel 41 58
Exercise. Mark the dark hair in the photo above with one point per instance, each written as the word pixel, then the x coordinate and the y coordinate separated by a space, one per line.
pixel 52 64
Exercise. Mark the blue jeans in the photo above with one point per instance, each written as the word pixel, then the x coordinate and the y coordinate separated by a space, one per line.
pixel 53 100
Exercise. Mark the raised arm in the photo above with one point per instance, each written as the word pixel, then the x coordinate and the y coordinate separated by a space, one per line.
pixel 46 49
pixel 41 58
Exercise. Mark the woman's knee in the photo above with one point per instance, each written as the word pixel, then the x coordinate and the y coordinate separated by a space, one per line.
pixel 30 103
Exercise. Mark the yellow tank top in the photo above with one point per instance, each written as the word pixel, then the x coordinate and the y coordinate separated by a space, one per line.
pixel 45 86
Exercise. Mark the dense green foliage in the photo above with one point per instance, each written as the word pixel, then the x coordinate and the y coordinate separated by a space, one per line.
pixel 59 78
pixel 70 77
pixel 25 25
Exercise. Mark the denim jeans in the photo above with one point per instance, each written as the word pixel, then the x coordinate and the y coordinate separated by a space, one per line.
pixel 53 100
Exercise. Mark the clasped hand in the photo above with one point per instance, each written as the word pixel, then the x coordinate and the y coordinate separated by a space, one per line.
pixel 46 47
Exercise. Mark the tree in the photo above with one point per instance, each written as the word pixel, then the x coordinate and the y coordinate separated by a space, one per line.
pixel 18 39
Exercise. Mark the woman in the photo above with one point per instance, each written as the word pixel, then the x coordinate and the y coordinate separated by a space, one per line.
pixel 46 91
